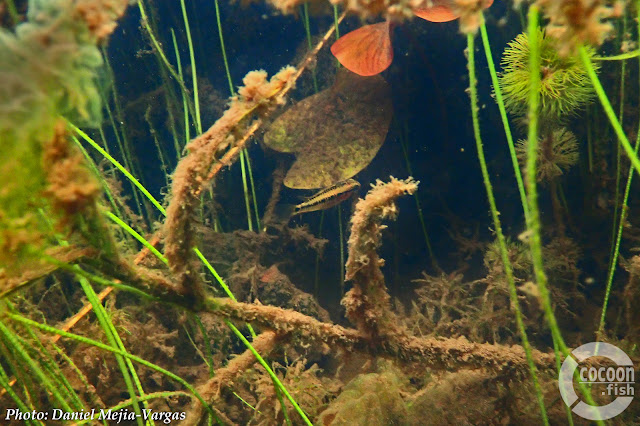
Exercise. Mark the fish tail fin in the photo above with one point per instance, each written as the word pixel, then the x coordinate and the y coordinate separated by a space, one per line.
pixel 366 51
pixel 284 212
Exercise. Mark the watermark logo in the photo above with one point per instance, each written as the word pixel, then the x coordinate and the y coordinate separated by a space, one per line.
pixel 612 381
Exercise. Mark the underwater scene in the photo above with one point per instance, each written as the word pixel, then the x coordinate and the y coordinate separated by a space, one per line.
pixel 312 212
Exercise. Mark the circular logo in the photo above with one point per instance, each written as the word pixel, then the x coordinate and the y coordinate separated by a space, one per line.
pixel 616 380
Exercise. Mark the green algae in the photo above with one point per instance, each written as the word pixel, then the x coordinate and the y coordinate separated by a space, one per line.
pixel 48 69
pixel 373 399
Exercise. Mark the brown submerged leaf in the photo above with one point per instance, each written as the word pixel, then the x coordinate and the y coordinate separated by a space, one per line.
pixel 335 133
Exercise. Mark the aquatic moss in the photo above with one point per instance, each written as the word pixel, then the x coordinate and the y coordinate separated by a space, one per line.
pixel 519 257
pixel 557 153
pixel 48 67
pixel 369 399
pixel 459 397
pixel 564 88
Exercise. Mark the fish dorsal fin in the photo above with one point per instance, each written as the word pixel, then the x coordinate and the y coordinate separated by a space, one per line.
pixel 366 51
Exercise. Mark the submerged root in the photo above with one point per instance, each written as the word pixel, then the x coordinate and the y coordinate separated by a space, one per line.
pixel 367 303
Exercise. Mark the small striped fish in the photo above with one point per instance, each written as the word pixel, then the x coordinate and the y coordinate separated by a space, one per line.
pixel 328 197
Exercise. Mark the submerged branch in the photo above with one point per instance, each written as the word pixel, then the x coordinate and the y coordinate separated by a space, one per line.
pixel 257 97
pixel 439 353
pixel 367 303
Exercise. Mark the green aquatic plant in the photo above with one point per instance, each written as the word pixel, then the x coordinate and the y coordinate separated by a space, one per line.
pixel 501 240
pixel 48 64
pixel 557 153
pixel 534 226
pixel 517 253
pixel 48 68
pixel 564 83
pixel 374 399
pixel 497 91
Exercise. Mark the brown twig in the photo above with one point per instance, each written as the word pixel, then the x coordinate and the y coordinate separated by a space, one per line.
pixel 211 390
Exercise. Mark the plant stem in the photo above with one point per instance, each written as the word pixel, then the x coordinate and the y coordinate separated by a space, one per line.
pixel 316 280
pixel 498 229
pixel 13 12
pixel 341 242
pixel 125 365
pixel 335 21
pixel 404 143
pixel 533 224
pixel 137 236
pixel 244 155
pixel 307 29
pixel 116 132
pixel 618 238
pixel 114 350
pixel 119 166
pixel 503 115
pixel 194 74
pixel 253 189
pixel 618 154
pixel 606 105
pixel 273 376
pixel 246 191
pixel 187 137
pixel 163 57
pixel 589 116
pixel 621 57
pixel 224 51
pixel 98 175
pixel 161 152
